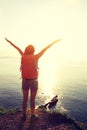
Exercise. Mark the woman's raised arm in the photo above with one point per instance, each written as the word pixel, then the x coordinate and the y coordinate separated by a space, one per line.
pixel 43 50
pixel 19 50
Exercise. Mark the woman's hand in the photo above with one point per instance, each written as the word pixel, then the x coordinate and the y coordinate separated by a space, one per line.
pixel 57 40
pixel 7 40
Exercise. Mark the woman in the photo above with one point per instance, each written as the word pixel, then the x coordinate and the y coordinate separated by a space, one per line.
pixel 29 72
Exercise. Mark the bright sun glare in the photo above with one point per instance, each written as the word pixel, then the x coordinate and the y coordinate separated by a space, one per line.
pixel 49 68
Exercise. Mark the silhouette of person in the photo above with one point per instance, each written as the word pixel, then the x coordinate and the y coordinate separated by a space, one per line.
pixel 29 72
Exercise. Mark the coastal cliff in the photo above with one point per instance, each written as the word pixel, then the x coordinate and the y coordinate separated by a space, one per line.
pixel 11 120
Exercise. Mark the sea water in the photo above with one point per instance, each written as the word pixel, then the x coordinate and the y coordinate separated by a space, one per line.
pixel 72 89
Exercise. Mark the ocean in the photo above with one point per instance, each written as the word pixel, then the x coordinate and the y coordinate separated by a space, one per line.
pixel 71 87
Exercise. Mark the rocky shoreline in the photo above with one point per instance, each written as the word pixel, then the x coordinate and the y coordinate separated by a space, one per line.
pixel 11 120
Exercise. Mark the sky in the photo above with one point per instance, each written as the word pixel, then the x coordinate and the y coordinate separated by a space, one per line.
pixel 40 22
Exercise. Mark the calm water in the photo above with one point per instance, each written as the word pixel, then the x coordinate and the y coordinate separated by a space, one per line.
pixel 71 87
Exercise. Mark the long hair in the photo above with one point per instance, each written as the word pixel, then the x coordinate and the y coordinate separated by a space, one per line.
pixel 29 50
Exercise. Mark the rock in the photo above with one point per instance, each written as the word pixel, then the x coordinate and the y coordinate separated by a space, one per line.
pixel 46 121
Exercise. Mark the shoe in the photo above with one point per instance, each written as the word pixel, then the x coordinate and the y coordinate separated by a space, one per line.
pixel 23 118
pixel 34 117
